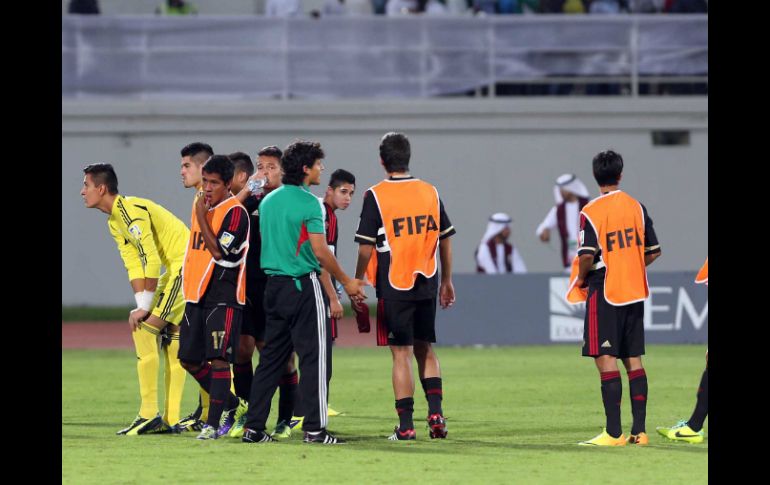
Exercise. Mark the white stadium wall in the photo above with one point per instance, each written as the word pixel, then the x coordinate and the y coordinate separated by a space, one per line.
pixel 484 155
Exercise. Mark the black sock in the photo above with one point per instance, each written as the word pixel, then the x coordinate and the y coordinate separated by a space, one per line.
pixel 287 397
pixel 203 376
pixel 243 374
pixel 405 409
pixel 433 393
pixel 702 405
pixel 612 392
pixel 637 383
pixel 220 395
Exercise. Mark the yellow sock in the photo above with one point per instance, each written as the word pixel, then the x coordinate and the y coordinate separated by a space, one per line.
pixel 204 406
pixel 175 377
pixel 146 343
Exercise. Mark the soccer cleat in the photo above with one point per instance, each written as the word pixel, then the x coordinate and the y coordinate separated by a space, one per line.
pixel 141 425
pixel 402 435
pixel 604 439
pixel 191 422
pixel 230 416
pixel 681 431
pixel 251 436
pixel 282 430
pixel 437 426
pixel 322 437
pixel 640 439
pixel 296 422
pixel 235 430
pixel 208 433
pixel 226 421
pixel 332 412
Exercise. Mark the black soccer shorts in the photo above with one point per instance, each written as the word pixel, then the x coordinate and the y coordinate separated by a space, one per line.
pixel 254 310
pixel 612 330
pixel 402 322
pixel 210 332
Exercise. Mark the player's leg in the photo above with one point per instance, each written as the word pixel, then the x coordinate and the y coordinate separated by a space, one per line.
pixel 168 311
pixel 280 297
pixel 146 342
pixel 253 317
pixel 601 343
pixel 428 366
pixel 310 337
pixel 691 431
pixel 287 400
pixel 399 317
pixel 631 327
pixel 222 332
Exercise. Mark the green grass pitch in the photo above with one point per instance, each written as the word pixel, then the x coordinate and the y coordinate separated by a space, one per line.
pixel 514 415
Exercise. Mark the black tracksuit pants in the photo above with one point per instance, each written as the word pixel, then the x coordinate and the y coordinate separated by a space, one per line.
pixel 296 319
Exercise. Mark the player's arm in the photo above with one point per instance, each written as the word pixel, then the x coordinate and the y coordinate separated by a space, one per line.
pixel 651 246
pixel 314 223
pixel 334 301
pixel 144 289
pixel 142 231
pixel 209 238
pixel 588 247
pixel 233 236
pixel 353 287
pixel 369 223
pixel 446 289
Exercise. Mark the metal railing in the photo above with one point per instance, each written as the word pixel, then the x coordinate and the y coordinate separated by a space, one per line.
pixel 259 57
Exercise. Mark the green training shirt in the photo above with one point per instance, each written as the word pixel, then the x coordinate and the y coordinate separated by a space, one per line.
pixel 286 216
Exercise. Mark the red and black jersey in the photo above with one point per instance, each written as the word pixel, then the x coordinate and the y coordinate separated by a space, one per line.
pixel 331 228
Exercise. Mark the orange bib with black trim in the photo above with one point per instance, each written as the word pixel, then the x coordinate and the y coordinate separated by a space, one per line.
pixel 410 216
pixel 198 261
pixel 618 220
pixel 703 273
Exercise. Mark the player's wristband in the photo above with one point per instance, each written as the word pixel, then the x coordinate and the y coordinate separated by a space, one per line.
pixel 145 300
pixel 138 296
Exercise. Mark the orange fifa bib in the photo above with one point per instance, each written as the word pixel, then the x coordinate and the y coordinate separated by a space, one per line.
pixel 410 216
pixel 703 274
pixel 618 221
pixel 198 262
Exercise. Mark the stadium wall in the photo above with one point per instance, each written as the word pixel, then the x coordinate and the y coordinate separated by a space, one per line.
pixel 484 156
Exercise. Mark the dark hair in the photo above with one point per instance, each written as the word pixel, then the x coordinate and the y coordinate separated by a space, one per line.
pixel 340 177
pixel 298 155
pixel 608 166
pixel 103 174
pixel 242 162
pixel 270 151
pixel 195 148
pixel 222 165
pixel 395 152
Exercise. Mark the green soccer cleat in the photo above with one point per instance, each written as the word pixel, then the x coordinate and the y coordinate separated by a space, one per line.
pixel 282 430
pixel 208 433
pixel 604 439
pixel 332 412
pixel 236 431
pixel 296 422
pixel 141 425
pixel 681 431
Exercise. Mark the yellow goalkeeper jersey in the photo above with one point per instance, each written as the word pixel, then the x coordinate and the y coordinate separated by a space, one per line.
pixel 148 236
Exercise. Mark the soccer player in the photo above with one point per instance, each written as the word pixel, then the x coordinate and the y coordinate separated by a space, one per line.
pixel 214 279
pixel 404 218
pixel 253 327
pixel 147 236
pixel 616 244
pixel 293 251
pixel 194 155
pixel 691 430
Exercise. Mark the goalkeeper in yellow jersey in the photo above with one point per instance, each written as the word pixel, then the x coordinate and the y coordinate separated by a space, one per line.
pixel 148 237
